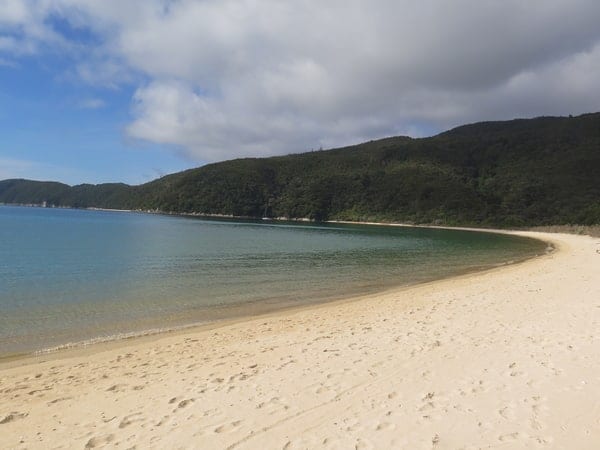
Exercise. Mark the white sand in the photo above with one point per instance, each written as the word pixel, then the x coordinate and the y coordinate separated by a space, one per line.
pixel 509 358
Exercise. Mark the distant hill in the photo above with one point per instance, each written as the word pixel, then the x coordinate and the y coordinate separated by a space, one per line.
pixel 513 173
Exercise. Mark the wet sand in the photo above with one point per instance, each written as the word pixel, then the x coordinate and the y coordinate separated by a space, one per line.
pixel 506 358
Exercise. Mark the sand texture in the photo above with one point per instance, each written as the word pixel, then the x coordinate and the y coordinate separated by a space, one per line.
pixel 508 358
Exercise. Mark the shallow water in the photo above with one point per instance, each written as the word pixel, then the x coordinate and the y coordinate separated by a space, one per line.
pixel 68 276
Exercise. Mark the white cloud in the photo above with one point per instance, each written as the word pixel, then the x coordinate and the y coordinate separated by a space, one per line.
pixel 24 30
pixel 13 12
pixel 227 78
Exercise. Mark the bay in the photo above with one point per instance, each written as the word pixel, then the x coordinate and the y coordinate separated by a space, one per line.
pixel 69 277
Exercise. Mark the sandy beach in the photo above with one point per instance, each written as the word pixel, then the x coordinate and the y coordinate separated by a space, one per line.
pixel 507 358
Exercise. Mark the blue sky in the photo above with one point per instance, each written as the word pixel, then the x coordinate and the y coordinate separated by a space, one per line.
pixel 128 91
pixel 58 128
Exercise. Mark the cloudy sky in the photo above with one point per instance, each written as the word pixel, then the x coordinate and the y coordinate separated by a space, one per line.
pixel 128 90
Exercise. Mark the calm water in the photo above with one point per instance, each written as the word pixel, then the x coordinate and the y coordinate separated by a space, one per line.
pixel 72 275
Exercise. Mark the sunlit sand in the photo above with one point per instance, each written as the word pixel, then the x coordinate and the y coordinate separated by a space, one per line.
pixel 507 358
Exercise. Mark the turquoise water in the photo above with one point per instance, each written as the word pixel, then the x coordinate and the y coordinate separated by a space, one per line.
pixel 68 276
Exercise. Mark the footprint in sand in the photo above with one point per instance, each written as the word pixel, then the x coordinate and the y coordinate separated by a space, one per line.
pixel 274 406
pixel 61 399
pixel 508 437
pixel 128 420
pixel 385 426
pixel 362 445
pixel 100 440
pixel 162 421
pixel 227 427
pixel 117 388
pixel 183 403
pixel 11 417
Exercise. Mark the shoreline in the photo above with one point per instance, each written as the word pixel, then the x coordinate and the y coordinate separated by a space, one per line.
pixel 257 219
pixel 102 343
pixel 248 311
pixel 504 357
pixel 94 345
pixel 587 230
pixel 584 230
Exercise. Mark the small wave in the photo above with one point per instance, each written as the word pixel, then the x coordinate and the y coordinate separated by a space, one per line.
pixel 114 338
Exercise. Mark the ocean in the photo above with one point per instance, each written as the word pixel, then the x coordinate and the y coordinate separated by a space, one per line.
pixel 73 277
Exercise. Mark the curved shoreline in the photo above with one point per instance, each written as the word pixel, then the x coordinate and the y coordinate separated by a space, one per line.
pixel 103 343
pixel 253 311
pixel 503 357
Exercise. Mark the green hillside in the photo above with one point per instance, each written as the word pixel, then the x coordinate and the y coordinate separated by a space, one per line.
pixel 519 172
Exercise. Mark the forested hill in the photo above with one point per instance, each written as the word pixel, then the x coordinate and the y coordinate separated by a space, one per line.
pixel 519 172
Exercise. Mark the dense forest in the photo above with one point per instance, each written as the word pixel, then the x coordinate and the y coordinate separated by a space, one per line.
pixel 513 173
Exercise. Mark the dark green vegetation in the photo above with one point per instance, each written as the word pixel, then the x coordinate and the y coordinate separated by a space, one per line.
pixel 515 173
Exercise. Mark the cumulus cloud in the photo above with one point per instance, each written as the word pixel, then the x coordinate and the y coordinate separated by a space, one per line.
pixel 226 78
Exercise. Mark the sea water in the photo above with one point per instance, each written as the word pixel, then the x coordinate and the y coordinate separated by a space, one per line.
pixel 74 276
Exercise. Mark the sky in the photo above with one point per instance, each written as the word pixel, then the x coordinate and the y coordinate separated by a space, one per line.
pixel 130 90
